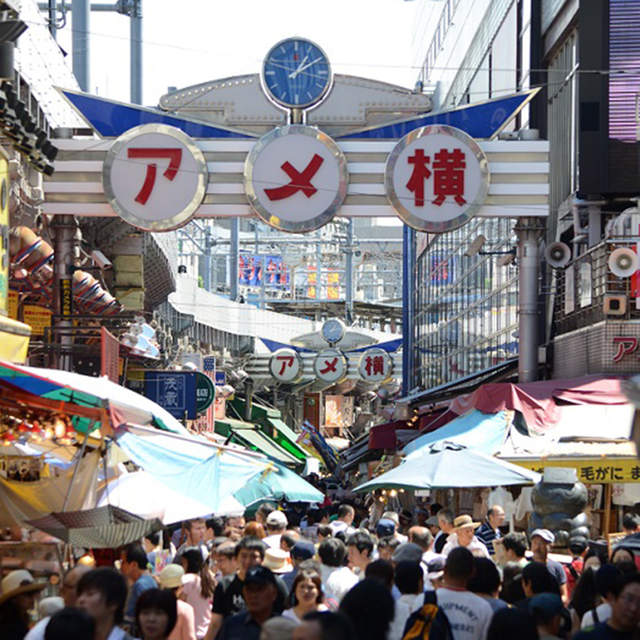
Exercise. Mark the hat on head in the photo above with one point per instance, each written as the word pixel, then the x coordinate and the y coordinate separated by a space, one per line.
pixel 385 527
pixel 260 576
pixel 171 576
pixel 18 582
pixel 435 568
pixel 303 550
pixel 391 515
pixel 432 521
pixel 407 552
pixel 276 560
pixel 545 534
pixel 547 604
pixel 277 518
pixel 465 521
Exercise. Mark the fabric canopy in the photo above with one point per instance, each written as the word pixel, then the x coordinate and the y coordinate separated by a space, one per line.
pixel 480 431
pixel 101 528
pixel 448 466
pixel 124 405
pixel 142 494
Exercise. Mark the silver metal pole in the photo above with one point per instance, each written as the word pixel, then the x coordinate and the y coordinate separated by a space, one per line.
pixel 234 256
pixel 80 13
pixel 528 231
pixel 349 274
pixel 135 29
pixel 206 279
pixel 53 16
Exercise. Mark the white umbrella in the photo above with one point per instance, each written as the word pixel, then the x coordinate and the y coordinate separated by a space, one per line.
pixel 142 494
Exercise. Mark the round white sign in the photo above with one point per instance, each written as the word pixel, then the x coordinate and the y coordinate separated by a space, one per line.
pixel 375 365
pixel 330 366
pixel 296 178
pixel 155 177
pixel 437 178
pixel 285 365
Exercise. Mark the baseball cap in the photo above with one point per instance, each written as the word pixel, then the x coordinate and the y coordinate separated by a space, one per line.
pixel 260 575
pixel 435 568
pixel 545 534
pixel 171 576
pixel 547 605
pixel 303 550
pixel 391 515
pixel 407 552
pixel 277 518
pixel 385 527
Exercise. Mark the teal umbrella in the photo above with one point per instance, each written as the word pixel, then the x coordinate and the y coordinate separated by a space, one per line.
pixel 277 483
pixel 446 465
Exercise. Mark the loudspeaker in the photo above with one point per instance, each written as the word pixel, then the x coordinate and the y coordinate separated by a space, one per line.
pixel 558 255
pixel 623 262
pixel 614 304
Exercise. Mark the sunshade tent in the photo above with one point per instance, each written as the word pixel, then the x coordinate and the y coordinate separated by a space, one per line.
pixel 449 466
pixel 102 528
pixel 142 494
pixel 123 405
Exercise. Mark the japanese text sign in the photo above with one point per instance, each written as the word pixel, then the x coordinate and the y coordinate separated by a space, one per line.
pixel 296 178
pixel 285 365
pixel 155 177
pixel 592 470
pixel 375 365
pixel 174 391
pixel 330 366
pixel 436 178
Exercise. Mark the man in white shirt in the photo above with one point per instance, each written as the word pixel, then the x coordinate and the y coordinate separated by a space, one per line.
pixel 346 514
pixel 336 578
pixel 469 615
pixel 276 526
pixel 409 581
pixel 463 536
pixel 445 522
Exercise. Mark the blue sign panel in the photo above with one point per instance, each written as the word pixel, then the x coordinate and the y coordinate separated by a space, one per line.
pixel 221 378
pixel 481 120
pixel 174 391
pixel 111 119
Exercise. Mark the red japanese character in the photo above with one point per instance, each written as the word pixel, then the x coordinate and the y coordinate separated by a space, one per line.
pixel 330 366
pixel 626 345
pixel 287 361
pixel 300 181
pixel 448 176
pixel 420 174
pixel 173 155
pixel 374 365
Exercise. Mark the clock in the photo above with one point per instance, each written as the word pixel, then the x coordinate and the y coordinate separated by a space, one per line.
pixel 333 330
pixel 296 73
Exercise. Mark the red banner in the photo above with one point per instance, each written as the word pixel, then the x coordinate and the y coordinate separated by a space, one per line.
pixel 109 351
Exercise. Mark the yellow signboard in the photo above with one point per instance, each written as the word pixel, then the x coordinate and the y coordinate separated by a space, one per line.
pixel 591 470
pixel 38 318
pixel 13 304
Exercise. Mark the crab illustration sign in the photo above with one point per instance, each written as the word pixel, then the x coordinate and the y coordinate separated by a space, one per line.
pixel 436 178
pixel 155 177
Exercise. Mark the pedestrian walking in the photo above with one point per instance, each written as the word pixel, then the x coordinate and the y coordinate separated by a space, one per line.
pixel 170 578
pixel 307 595
pixel 156 614
pixel 17 599
pixel 198 586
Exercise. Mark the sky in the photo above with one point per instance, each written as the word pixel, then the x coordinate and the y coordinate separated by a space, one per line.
pixel 187 42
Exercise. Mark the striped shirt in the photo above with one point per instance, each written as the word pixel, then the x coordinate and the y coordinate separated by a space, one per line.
pixel 487 534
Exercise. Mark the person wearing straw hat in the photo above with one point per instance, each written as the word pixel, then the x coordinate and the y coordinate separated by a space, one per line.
pixel 277 560
pixel 464 536
pixel 17 598
pixel 170 578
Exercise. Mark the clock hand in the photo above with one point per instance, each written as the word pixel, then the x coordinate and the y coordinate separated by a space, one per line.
pixel 300 67
pixel 309 64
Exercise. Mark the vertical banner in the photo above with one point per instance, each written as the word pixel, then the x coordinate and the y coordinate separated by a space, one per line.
pixel 66 298
pixel 4 236
pixel 109 355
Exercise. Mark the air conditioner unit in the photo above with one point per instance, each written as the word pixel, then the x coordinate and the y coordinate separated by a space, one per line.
pixel 614 304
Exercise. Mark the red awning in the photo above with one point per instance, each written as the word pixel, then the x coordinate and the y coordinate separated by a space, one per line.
pixel 383 436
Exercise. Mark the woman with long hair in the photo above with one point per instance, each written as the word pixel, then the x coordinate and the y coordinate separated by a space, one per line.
pixel 307 595
pixel 156 614
pixel 198 585
pixel 17 598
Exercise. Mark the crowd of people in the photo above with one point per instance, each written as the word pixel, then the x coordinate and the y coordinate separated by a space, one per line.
pixel 312 574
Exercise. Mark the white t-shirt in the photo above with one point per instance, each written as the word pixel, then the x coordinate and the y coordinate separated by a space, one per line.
pixel 341 525
pixel 476 547
pixel 273 541
pixel 406 604
pixel 604 613
pixel 336 581
pixel 469 615
pixel 37 631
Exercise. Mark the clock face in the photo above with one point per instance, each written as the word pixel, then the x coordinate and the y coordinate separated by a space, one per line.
pixel 333 331
pixel 296 73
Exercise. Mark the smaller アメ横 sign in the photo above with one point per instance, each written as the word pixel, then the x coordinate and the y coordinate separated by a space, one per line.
pixel 330 366
pixel 375 365
pixel 285 365
pixel 437 178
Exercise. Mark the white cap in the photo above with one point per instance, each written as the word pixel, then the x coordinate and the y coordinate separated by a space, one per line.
pixel 277 519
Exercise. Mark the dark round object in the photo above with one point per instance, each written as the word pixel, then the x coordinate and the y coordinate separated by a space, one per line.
pixel 579 532
pixel 559 498
pixel 581 520
pixel 562 538
pixel 556 521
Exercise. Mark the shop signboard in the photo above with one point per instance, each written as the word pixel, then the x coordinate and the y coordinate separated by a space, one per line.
pixel 37 317
pixel 285 365
pixel 254 270
pixel 437 178
pixel 155 177
pixel 330 366
pixel 109 355
pixel 205 392
pixel 296 178
pixel 66 297
pixel 175 391
pixel 603 470
pixel 375 365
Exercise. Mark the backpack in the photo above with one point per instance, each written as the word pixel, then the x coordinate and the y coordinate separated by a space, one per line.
pixel 429 622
